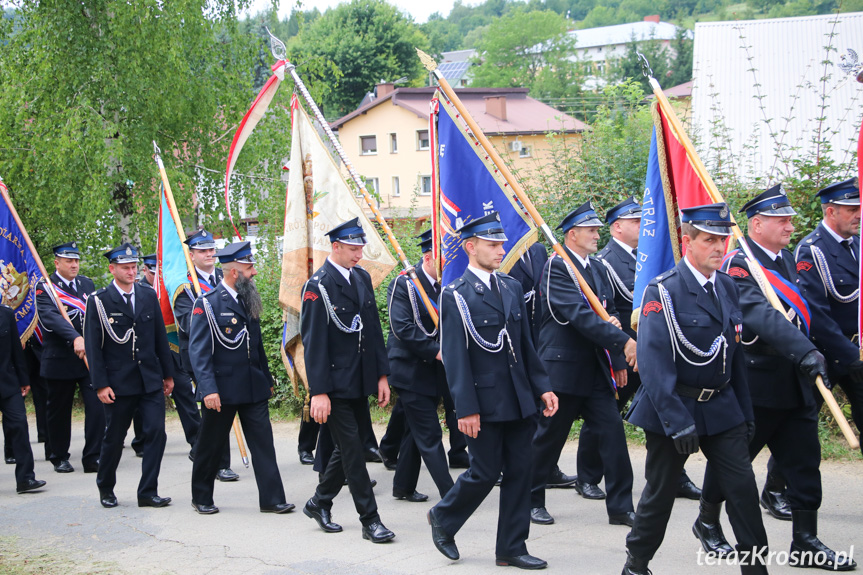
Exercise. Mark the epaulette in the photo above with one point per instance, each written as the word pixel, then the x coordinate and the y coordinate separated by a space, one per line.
pixel 663 276
pixel 507 276
pixel 455 284
pixel 210 293
pixel 100 291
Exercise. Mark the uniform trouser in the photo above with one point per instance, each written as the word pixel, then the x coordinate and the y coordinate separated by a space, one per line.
pixel 792 437
pixel 61 393
pixel 308 437
pixel 347 460
pixel 727 452
pixel 184 401
pixel 396 428
pixel 326 444
pixel 17 435
pixel 422 440
pixel 391 441
pixel 119 417
pixel 213 436
pixel 39 393
pixel 599 410
pixel 497 447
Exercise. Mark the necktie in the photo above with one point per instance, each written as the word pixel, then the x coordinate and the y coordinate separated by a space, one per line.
pixel 492 281
pixel 849 247
pixel 635 253
pixel 709 288
pixel 128 298
pixel 212 280
pixel 72 289
pixel 436 288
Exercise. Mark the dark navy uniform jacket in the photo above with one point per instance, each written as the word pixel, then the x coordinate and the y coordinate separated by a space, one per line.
pixel 183 304
pixel 58 354
pixel 497 386
pixel 573 339
pixel 621 278
pixel 833 323
pixel 240 375
pixel 772 345
pixel 528 270
pixel 657 407
pixel 342 365
pixel 139 365
pixel 13 368
pixel 411 352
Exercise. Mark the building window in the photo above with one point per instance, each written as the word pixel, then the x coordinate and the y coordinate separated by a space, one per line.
pixel 394 144
pixel 396 191
pixel 425 185
pixel 423 142
pixel 368 145
pixel 600 67
pixel 524 152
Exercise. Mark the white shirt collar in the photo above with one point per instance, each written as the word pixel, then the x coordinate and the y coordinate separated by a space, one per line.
pixel 585 262
pixel 346 273
pixel 698 275
pixel 123 293
pixel 625 247
pixel 836 236
pixel 482 275
pixel 772 255
pixel 206 275
pixel 59 275
pixel 231 291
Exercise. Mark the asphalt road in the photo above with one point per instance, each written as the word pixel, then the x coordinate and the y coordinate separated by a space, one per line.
pixel 65 521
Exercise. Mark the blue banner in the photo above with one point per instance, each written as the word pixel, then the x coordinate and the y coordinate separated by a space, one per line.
pixel 19 273
pixel 469 189
pixel 655 249
pixel 172 272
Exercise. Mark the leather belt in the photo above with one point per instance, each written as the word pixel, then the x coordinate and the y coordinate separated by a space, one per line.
pixel 698 393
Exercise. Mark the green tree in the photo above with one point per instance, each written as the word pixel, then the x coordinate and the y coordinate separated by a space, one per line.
pixel 680 65
pixel 531 50
pixel 85 89
pixel 366 41
pixel 629 66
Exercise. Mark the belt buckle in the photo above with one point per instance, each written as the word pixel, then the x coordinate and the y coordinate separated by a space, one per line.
pixel 708 392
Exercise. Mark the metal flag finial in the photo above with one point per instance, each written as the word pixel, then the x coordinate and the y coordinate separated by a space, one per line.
pixel 156 150
pixel 277 47
pixel 645 65
pixel 427 61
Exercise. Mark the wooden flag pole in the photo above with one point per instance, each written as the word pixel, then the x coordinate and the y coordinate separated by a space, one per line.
pixel 280 53
pixel 431 66
pixel 751 260
pixel 60 307
pixel 193 274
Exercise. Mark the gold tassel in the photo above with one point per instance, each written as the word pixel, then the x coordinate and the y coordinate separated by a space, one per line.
pixel 306 410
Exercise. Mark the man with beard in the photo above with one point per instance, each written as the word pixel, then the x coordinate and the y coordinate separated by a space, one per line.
pixel 497 382
pixel 202 252
pixel 63 364
pixel 346 361
pixel 131 369
pixel 230 366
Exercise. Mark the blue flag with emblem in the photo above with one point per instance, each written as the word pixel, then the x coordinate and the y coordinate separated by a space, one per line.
pixel 470 186
pixel 19 270
pixel 172 274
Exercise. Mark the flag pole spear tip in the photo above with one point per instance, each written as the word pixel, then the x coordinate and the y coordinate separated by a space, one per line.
pixel 427 60
pixel 277 47
pixel 645 65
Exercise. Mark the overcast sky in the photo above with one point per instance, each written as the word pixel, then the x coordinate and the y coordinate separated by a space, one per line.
pixel 419 9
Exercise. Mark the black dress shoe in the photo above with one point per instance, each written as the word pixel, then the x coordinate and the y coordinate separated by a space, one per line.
pixel 627 518
pixel 373 455
pixel 278 508
pixel 541 516
pixel 10 460
pixel 415 497
pixel 227 475
pixel 154 501
pixel 91 467
pixel 64 467
pixel 688 490
pixel 459 461
pixel 306 457
pixel 522 562
pixel 557 479
pixel 322 516
pixel 635 566
pixel 377 533
pixel 589 491
pixel 108 499
pixel 205 509
pixel 776 504
pixel 444 543
pixel 30 485
pixel 390 464
pixel 708 529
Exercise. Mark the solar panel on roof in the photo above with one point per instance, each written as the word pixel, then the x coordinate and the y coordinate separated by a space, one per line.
pixel 453 70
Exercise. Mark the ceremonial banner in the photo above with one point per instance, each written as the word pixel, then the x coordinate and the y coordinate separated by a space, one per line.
pixel 317 200
pixel 171 276
pixel 860 270
pixel 672 183
pixel 19 270
pixel 470 186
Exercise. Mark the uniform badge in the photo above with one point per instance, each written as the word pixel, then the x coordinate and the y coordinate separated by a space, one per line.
pixel 128 251
pixel 723 213
pixel 110 320
pixel 479 287
pixel 228 331
pixel 310 296
pixel 782 190
pixel 204 234
pixel 197 311
pixel 738 272
pixel 233 320
pixel 651 306
pixel 803 267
